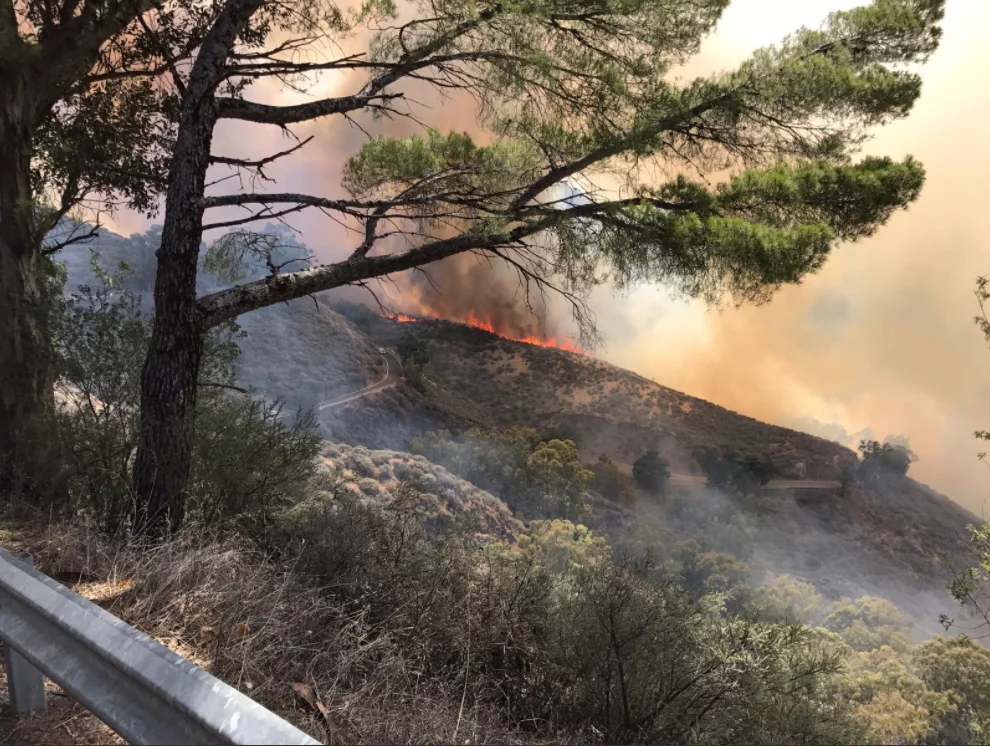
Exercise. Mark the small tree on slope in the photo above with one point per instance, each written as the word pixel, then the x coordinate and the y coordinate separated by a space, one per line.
pixel 583 115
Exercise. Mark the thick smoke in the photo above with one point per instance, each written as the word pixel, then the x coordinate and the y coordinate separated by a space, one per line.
pixel 881 338
pixel 469 287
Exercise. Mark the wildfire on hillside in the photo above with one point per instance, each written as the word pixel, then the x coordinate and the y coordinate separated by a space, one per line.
pixel 474 320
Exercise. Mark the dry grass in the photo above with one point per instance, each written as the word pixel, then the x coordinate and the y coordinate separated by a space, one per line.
pixel 517 384
pixel 259 626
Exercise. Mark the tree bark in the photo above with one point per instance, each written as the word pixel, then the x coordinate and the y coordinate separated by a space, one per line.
pixel 26 370
pixel 171 370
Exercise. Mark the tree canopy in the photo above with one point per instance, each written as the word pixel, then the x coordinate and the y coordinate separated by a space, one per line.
pixel 87 125
pixel 885 458
pixel 597 169
pixel 651 472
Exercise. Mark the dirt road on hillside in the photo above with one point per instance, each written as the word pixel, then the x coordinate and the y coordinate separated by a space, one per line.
pixel 392 376
pixel 693 480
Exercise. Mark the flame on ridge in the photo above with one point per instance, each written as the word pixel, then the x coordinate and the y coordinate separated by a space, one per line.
pixel 486 324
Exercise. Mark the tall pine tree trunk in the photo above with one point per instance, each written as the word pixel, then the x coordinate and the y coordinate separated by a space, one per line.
pixel 26 371
pixel 171 370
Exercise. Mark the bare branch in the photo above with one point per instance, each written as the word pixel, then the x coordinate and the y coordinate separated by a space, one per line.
pixel 261 163
pixel 73 238
pixel 370 95
pixel 248 111
pixel 266 214
pixel 223 305
pixel 167 55
pixel 212 384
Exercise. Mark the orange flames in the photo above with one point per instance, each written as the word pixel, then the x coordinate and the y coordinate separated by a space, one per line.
pixel 486 324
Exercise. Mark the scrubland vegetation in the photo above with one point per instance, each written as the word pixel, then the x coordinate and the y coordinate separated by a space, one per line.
pixel 519 566
pixel 474 588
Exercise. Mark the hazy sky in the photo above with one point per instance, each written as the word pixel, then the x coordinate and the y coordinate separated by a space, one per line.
pixel 882 337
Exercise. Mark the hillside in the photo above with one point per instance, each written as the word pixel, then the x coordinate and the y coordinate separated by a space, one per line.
pixel 604 408
pixel 895 538
pixel 327 356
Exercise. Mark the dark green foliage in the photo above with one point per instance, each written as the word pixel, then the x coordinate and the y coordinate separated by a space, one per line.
pixel 528 474
pixel 960 667
pixel 414 350
pixel 413 373
pixel 651 472
pixel 610 482
pixel 358 314
pixel 846 475
pixel 884 459
pixel 251 459
pixel 745 474
pixel 247 459
pixel 704 572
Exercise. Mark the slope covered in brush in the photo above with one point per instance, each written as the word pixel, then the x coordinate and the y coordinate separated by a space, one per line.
pixel 892 536
pixel 605 408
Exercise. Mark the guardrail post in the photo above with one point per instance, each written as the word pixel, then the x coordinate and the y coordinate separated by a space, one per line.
pixel 25 683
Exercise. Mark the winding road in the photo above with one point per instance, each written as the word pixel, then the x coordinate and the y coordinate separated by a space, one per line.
pixel 391 379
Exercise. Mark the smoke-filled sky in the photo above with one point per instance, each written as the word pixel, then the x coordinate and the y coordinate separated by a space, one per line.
pixel 882 338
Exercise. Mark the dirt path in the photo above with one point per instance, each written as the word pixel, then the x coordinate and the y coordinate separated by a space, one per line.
pixel 693 480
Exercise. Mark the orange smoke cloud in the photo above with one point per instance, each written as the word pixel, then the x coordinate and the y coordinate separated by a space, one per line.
pixel 880 338
pixel 883 336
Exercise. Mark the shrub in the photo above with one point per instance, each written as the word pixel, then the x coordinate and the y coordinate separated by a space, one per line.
pixel 868 623
pixel 555 633
pixel 787 599
pixel 743 474
pixel 651 472
pixel 426 482
pixel 514 465
pixel 369 487
pixel 361 464
pixel 247 459
pixel 609 482
pixel 413 350
pixel 888 458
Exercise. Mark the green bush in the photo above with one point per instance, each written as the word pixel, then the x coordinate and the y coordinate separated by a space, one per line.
pixel 742 474
pixel 609 482
pixel 247 459
pixel 545 477
pixel 651 472
pixel 868 622
pixel 554 633
pixel 884 459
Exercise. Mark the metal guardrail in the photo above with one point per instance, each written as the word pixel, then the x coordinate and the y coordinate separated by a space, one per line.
pixel 140 688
